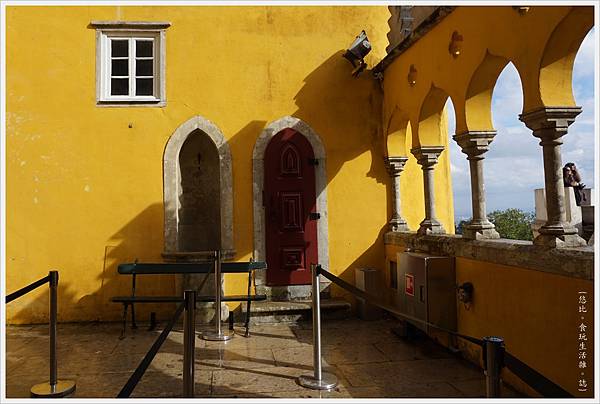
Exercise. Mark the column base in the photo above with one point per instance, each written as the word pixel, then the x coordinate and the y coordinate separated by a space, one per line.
pixel 430 226
pixel 560 241
pixel 480 232
pixel 398 225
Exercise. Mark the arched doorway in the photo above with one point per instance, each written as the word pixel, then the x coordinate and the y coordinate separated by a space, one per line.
pixel 288 292
pixel 290 209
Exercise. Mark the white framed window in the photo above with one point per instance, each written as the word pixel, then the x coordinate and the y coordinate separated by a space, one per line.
pixel 130 63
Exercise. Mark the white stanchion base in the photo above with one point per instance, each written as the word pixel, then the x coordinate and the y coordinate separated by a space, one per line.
pixel 224 335
pixel 328 381
pixel 62 388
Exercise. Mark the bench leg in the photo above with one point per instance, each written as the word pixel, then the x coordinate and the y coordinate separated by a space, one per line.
pixel 124 321
pixel 152 321
pixel 247 334
pixel 133 324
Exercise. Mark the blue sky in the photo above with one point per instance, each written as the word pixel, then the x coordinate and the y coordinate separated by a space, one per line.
pixel 513 167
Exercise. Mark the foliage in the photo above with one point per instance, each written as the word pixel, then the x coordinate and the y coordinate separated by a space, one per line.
pixel 458 229
pixel 510 223
pixel 513 223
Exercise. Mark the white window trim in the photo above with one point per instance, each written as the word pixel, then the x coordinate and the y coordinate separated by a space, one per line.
pixel 131 30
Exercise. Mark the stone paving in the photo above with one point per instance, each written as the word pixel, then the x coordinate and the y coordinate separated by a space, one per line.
pixel 368 359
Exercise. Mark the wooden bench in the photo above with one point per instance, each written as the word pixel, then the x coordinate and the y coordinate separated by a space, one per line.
pixel 180 268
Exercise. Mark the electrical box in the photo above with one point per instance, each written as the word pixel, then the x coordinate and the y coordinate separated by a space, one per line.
pixel 426 289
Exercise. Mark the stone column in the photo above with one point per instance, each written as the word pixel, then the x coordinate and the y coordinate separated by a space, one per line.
pixel 474 145
pixel 395 166
pixel 427 157
pixel 550 124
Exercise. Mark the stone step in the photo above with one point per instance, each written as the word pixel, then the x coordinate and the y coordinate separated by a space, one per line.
pixel 293 311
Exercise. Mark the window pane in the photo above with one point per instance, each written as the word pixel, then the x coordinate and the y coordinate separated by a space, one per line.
pixel 119 47
pixel 120 67
pixel 143 48
pixel 143 86
pixel 119 86
pixel 143 67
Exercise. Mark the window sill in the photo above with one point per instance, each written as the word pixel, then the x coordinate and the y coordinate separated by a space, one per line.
pixel 132 103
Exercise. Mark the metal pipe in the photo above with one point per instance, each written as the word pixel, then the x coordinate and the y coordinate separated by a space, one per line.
pixel 494 351
pixel 218 291
pixel 316 322
pixel 54 387
pixel 189 342
pixel 53 317
pixel 319 380
pixel 219 334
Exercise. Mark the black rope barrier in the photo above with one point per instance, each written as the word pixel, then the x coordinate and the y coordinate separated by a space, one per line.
pixel 27 289
pixel 141 369
pixel 389 307
pixel 533 378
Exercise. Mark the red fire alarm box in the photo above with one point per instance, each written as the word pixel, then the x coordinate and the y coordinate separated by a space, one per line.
pixel 409 284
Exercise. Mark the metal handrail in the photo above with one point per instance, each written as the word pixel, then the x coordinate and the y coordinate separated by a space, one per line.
pixel 494 353
pixel 54 387
pixel 188 305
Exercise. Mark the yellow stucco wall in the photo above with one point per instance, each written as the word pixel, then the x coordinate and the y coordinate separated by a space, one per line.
pixel 84 191
pixel 537 315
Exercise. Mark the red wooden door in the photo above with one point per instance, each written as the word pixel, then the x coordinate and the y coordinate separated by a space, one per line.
pixel 289 199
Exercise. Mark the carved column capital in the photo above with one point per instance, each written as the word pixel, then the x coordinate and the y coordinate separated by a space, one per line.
pixel 550 123
pixel 475 143
pixel 427 156
pixel 395 165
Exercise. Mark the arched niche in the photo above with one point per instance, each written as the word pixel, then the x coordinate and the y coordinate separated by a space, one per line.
pixel 197 189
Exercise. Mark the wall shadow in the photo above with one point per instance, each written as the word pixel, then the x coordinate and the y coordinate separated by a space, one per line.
pixel 345 112
pixel 140 239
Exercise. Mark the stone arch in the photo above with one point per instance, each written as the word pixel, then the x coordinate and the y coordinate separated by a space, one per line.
pixel 172 177
pixel 429 131
pixel 258 171
pixel 478 98
pixel 556 67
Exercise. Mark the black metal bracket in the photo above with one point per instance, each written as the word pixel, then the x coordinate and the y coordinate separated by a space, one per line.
pixel 314 216
pixel 313 162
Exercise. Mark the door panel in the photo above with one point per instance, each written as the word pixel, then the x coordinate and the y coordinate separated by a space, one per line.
pixel 289 199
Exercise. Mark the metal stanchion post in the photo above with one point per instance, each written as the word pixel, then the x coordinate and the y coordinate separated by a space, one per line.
pixel 494 351
pixel 319 380
pixel 189 342
pixel 55 387
pixel 219 334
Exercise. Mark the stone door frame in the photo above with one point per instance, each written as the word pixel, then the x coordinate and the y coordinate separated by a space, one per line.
pixel 172 181
pixel 258 174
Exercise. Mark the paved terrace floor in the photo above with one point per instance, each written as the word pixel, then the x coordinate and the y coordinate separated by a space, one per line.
pixel 369 360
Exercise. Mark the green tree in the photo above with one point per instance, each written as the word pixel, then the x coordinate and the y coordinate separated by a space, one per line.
pixel 513 223
pixel 458 229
